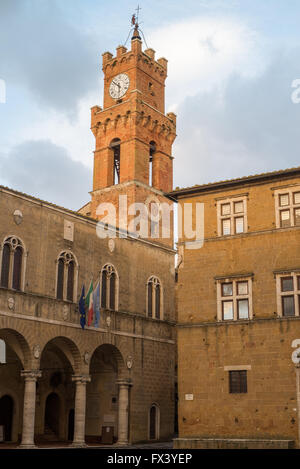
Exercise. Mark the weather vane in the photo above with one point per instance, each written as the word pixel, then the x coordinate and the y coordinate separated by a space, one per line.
pixel 135 27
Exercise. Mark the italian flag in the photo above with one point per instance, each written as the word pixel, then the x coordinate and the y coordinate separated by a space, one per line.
pixel 89 304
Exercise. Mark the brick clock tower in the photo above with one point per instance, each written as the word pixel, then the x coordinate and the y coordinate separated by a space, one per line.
pixel 133 134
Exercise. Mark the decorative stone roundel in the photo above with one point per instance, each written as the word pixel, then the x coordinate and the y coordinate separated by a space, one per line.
pixel 111 244
pixel 36 351
pixel 11 303
pixel 129 362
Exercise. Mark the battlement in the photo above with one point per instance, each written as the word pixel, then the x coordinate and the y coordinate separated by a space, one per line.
pixel 122 53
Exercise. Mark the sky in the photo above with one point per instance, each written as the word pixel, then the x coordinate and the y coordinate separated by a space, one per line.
pixel 231 67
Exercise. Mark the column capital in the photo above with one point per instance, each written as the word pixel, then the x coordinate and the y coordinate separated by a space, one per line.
pixel 81 379
pixel 31 375
pixel 124 382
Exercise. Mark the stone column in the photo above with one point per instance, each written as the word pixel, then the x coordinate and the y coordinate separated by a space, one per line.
pixel 30 377
pixel 124 385
pixel 80 409
pixel 297 368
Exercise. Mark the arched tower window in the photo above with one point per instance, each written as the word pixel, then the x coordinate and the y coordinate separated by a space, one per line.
pixel 109 288
pixel 152 150
pixel 67 274
pixel 116 148
pixel 154 298
pixel 13 264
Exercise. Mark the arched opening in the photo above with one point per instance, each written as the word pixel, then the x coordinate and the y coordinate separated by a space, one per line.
pixel 14 358
pixel 152 150
pixel 6 416
pixel 154 298
pixel 106 367
pixel 154 422
pixel 60 360
pixel 66 278
pixel 52 414
pixel 116 148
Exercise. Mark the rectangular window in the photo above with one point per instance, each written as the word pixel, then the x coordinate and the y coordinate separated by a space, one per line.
pixel 288 294
pixel 243 309
pixel 225 209
pixel 234 299
pixel 288 306
pixel 238 382
pixel 287 203
pixel 231 216
pixel 239 225
pixel 297 216
pixel 227 289
pixel 226 227
pixel 284 200
pixel 227 310
pixel 285 218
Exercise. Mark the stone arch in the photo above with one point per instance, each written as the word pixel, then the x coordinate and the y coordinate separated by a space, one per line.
pixel 69 349
pixel 117 356
pixel 17 342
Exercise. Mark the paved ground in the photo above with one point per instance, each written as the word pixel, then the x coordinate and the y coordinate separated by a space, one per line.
pixel 56 445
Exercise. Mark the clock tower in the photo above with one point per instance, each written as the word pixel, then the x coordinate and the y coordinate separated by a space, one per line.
pixel 134 136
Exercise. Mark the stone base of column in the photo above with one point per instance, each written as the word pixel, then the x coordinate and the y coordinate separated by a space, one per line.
pixel 122 443
pixel 27 447
pixel 78 444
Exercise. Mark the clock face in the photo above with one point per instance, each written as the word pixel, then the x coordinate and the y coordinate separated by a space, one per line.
pixel 119 86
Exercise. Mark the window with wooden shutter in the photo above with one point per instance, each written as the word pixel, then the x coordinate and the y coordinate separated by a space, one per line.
pixel 17 268
pixel 287 207
pixel 297 198
pixel 112 290
pixel 239 225
pixel 157 301
pixel 288 306
pixel 60 280
pixel 238 381
pixel 227 310
pixel 5 266
pixel 103 289
pixel 285 218
pixel 226 227
pixel 284 200
pixel 70 284
pixel 150 299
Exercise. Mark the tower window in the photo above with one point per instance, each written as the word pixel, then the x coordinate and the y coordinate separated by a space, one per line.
pixel 152 150
pixel 115 146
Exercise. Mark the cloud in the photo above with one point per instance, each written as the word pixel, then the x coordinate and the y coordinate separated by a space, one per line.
pixel 249 126
pixel 204 52
pixel 46 171
pixel 44 52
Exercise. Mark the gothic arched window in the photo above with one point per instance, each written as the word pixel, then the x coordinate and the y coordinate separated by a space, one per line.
pixel 109 287
pixel 154 298
pixel 115 146
pixel 12 264
pixel 66 280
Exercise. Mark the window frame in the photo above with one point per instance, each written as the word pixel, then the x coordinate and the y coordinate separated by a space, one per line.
pixel 67 256
pixel 110 270
pixel 14 242
pixel 154 281
pixel 291 207
pixel 295 292
pixel 240 383
pixel 235 297
pixel 232 216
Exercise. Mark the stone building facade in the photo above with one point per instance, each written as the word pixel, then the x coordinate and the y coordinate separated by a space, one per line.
pixel 57 380
pixel 238 298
